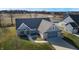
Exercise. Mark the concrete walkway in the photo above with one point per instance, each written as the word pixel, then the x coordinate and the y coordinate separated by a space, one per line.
pixel 41 41
pixel 60 44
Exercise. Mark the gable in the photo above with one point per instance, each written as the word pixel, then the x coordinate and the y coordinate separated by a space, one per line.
pixel 44 26
pixel 23 27
pixel 68 20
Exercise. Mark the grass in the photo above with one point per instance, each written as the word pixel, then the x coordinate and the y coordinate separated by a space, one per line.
pixel 9 41
pixel 17 44
pixel 74 40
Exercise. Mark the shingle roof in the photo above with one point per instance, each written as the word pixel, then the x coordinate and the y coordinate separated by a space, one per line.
pixel 73 24
pixel 30 22
pixel 75 18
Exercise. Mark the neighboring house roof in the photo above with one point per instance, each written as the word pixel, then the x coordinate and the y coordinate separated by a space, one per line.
pixel 32 23
pixel 68 20
pixel 44 26
pixel 23 27
pixel 75 18
pixel 73 24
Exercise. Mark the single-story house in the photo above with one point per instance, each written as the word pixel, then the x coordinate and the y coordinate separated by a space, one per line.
pixel 36 26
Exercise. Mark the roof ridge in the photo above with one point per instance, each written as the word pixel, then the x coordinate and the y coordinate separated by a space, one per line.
pixel 23 24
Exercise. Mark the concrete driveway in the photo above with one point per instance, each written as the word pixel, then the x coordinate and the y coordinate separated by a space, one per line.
pixel 59 44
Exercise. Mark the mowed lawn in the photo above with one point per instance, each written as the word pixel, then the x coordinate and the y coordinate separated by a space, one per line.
pixel 10 41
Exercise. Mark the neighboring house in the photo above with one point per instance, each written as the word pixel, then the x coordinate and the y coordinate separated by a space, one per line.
pixel 71 27
pixel 36 26
pixel 70 24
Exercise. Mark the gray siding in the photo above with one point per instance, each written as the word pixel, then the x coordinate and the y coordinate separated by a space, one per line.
pixel 69 28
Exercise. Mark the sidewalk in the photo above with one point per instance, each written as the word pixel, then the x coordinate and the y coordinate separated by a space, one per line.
pixel 41 41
